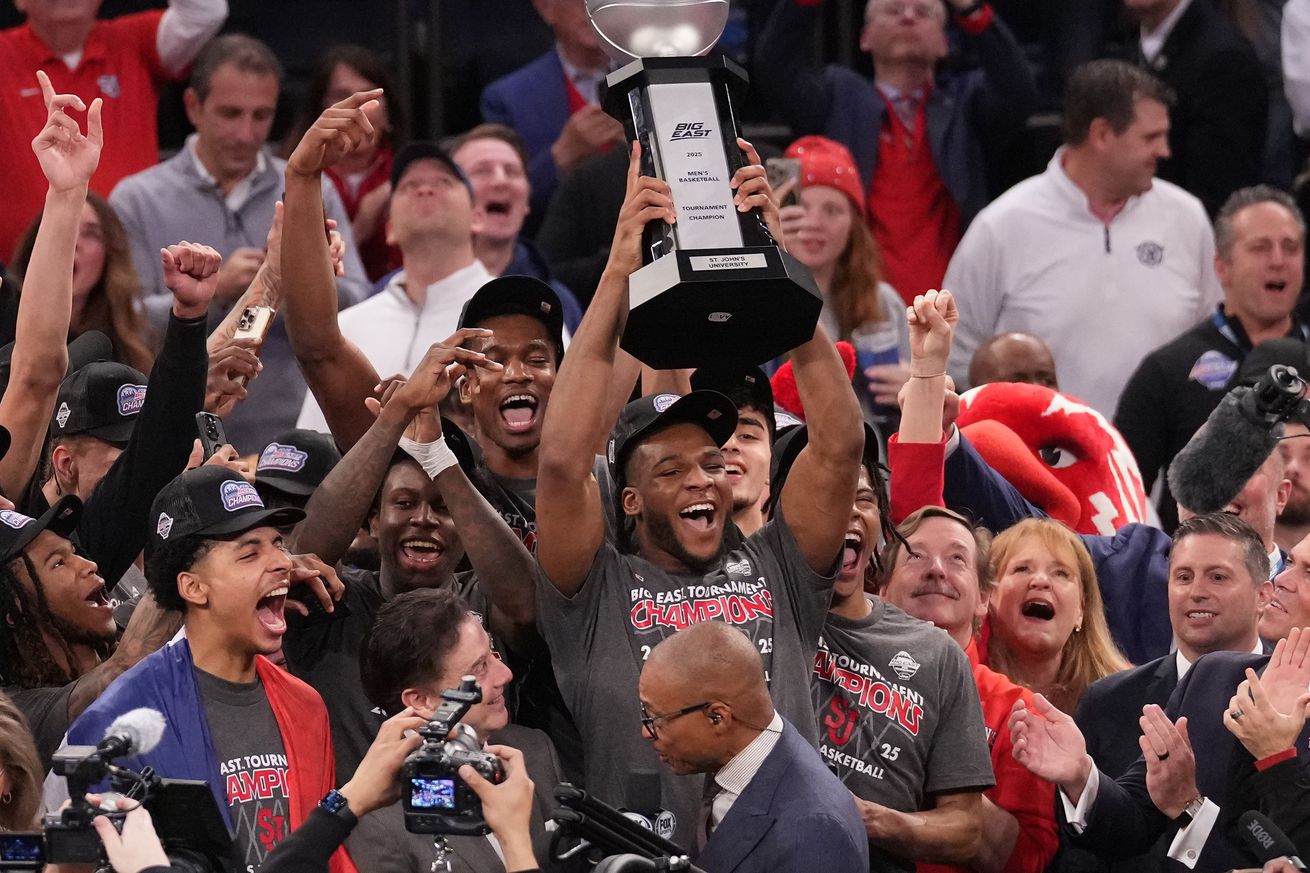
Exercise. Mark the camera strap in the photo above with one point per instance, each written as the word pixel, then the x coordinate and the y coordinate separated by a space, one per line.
pixel 441 863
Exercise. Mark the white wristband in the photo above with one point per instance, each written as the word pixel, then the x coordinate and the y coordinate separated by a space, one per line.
pixel 433 457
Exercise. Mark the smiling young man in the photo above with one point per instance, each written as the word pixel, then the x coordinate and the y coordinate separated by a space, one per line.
pixel 1218 585
pixel 422 643
pixel 425 515
pixel 257 735
pixel 747 453
pixel 606 598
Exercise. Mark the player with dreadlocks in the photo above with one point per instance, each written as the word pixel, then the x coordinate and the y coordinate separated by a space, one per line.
pixel 57 631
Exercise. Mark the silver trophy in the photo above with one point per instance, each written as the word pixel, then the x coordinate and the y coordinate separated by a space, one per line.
pixel 716 287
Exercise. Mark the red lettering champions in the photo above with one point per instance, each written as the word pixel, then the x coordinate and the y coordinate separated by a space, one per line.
pixel 873 694
pixel 732 608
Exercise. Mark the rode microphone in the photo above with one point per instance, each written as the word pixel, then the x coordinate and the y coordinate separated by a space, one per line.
pixel 1237 437
pixel 1265 839
pixel 135 732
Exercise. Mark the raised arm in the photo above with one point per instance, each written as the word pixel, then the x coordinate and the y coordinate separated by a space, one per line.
pixel 570 522
pixel 40 357
pixel 820 490
pixel 336 371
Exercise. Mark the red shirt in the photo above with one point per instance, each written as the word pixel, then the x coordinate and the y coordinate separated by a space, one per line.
pixel 1029 799
pixel 913 217
pixel 120 63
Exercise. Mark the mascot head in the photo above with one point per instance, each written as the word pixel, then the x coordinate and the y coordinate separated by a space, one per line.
pixel 1060 453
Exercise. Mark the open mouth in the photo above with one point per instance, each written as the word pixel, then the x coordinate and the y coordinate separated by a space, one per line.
pixel 424 553
pixel 850 553
pixel 1041 610
pixel 1200 615
pixel 519 411
pixel 497 207
pixel 699 516
pixel 99 597
pixel 734 472
pixel 271 610
pixel 1276 286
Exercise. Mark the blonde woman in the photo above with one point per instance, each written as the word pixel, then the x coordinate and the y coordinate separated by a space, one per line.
pixel 1047 621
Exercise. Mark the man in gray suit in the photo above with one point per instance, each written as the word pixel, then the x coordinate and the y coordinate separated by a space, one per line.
pixel 769 804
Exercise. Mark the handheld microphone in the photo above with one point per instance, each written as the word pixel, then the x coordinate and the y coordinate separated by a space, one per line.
pixel 1229 448
pixel 1265 839
pixel 135 732
pixel 641 803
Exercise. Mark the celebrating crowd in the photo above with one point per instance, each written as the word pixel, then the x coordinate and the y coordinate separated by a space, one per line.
pixel 1010 577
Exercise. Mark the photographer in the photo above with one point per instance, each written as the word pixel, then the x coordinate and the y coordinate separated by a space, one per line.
pixel 506 807
pixel 421 643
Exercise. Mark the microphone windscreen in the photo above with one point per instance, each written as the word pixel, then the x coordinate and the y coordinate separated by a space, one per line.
pixel 1220 457
pixel 642 792
pixel 1263 837
pixel 143 728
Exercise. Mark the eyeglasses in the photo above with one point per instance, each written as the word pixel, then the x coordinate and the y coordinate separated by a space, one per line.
pixel 921 11
pixel 648 721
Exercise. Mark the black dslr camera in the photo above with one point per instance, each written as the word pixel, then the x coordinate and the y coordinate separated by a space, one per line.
pixel 436 800
pixel 185 817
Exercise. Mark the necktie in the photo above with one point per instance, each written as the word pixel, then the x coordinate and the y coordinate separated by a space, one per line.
pixel 705 821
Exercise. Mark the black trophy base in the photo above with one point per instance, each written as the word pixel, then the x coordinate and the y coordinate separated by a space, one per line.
pixel 696 307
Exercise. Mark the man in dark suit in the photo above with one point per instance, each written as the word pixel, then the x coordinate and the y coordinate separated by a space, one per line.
pixel 553 101
pixel 1218 580
pixel 769 805
pixel 923 142
pixel 1168 793
pixel 1219 125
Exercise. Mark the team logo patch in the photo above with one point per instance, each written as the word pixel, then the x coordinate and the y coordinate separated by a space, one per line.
pixel 784 419
pixel 108 85
pixel 664 401
pixel 904 665
pixel 739 568
pixel 62 415
pixel 665 823
pixel 1213 370
pixel 16 520
pixel 131 398
pixel 164 526
pixel 240 495
pixel 279 457
pixel 1151 254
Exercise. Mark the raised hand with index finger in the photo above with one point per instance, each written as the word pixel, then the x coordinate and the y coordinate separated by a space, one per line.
pixel 342 128
pixel 68 157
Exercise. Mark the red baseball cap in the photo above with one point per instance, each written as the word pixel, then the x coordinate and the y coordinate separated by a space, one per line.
pixel 828 162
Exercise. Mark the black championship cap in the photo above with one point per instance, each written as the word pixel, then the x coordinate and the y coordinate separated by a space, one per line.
pixel 89 346
pixel 645 416
pixel 794 438
pixel 744 386
pixel 102 399
pixel 17 530
pixel 517 295
pixel 212 502
pixel 423 150
pixel 296 462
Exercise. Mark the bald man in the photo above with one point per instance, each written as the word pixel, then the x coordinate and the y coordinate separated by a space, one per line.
pixel 769 804
pixel 1013 357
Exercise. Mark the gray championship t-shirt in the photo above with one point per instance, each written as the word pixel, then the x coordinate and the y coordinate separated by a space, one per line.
pixel 600 638
pixel 899 716
pixel 324 652
pixel 252 761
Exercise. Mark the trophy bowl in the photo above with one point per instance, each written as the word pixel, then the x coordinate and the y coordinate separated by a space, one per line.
pixel 634 29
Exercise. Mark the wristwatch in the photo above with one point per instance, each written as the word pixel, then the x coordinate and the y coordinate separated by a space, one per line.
pixel 335 803
pixel 1189 812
